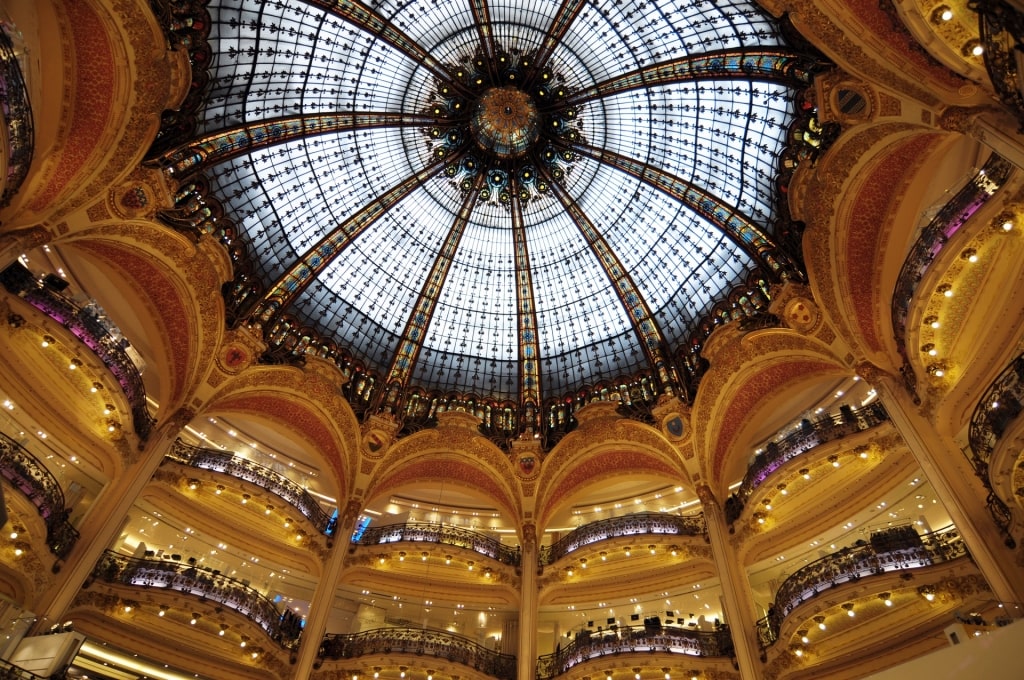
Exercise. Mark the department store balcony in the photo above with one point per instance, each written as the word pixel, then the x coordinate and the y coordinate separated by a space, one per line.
pixel 442 534
pixel 17 139
pixel 899 550
pixel 198 585
pixel 810 435
pixel 228 463
pixel 29 476
pixel 418 642
pixel 88 325
pixel 652 637
pixel 661 526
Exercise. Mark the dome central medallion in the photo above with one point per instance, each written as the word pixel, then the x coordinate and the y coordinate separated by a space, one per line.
pixel 505 128
pixel 505 122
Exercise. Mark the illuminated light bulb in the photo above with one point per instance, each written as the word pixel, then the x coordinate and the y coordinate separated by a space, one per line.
pixel 804 639
pixel 163 610
pixel 977 50
pixel 946 15
pixel 14 535
pixel 1007 225
pixel 888 602
pixel 604 556
pixel 18 552
pixel 628 552
pixel 447 559
pixel 798 651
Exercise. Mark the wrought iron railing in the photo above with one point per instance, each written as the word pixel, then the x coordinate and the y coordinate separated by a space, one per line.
pixel 810 434
pixel 652 637
pixel 282 627
pixel 83 323
pixel 446 534
pixel 17 114
pixel 1001 27
pixel 911 551
pixel 997 409
pixel 8 671
pixel 281 486
pixel 934 236
pixel 29 476
pixel 421 642
pixel 637 524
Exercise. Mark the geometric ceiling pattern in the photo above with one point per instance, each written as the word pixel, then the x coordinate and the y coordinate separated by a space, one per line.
pixel 512 199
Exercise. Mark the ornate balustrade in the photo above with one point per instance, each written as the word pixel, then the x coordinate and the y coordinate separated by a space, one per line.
pixel 8 671
pixel 27 474
pixel 282 627
pixel 996 410
pixel 1001 27
pixel 281 486
pixel 440 533
pixel 647 638
pixel 422 642
pixel 17 116
pixel 628 525
pixel 811 434
pixel 910 551
pixel 92 331
pixel 933 237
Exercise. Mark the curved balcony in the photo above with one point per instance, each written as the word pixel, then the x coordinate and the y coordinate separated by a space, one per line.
pixel 281 486
pixel 811 434
pixel 446 534
pixel 933 237
pixel 1001 27
pixel 282 627
pixel 628 525
pixel 28 475
pixel 17 116
pixel 421 642
pixel 8 671
pixel 651 637
pixel 92 331
pixel 997 409
pixel 896 549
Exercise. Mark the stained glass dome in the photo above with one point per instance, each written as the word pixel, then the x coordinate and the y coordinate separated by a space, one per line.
pixel 512 200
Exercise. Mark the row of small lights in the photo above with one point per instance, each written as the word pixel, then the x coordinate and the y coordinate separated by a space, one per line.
pixel 627 551
pixel 944 14
pixel 194 620
pixel 195 485
pixel 470 565
pixel 74 365
pixel 761 517
pixel 938 368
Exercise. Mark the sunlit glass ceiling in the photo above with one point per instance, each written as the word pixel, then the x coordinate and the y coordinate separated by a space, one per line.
pixel 508 198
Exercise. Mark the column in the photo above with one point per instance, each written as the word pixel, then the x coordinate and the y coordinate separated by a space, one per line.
pixel 103 524
pixel 526 668
pixel 956 486
pixel 323 597
pixel 739 599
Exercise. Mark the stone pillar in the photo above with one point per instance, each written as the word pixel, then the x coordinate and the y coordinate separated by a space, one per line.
pixel 104 522
pixel 739 599
pixel 526 668
pixel 956 486
pixel 322 603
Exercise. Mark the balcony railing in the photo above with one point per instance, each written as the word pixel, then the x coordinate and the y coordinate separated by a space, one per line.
pixel 17 114
pixel 934 236
pixel 628 525
pixel 8 671
pixel 997 409
pixel 28 475
pixel 652 637
pixel 810 434
pixel 282 627
pixel 1001 27
pixel 92 331
pixel 441 533
pixel 888 551
pixel 228 463
pixel 421 642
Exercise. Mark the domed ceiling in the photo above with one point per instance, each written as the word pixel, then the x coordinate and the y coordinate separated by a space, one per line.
pixel 510 199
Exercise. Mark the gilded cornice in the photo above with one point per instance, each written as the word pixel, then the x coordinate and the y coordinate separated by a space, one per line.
pixel 819 203
pixel 451 453
pixel 744 372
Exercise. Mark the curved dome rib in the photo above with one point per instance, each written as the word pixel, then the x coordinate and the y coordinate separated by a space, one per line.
pixel 651 339
pixel 422 312
pixel 303 272
pixel 739 227
pixel 361 16
pixel 530 381
pixel 772 65
pixel 230 143
pixel 560 24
